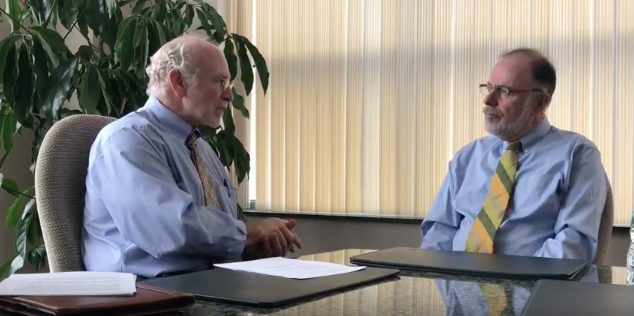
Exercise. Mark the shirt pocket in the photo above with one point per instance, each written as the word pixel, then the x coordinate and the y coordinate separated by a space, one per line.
pixel 536 191
pixel 469 199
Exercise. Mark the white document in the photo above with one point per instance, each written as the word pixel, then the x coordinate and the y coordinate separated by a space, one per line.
pixel 290 268
pixel 80 283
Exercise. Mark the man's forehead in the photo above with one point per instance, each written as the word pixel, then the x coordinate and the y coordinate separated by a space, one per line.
pixel 213 60
pixel 511 70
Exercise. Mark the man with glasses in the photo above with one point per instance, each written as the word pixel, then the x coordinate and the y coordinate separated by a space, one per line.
pixel 526 189
pixel 158 200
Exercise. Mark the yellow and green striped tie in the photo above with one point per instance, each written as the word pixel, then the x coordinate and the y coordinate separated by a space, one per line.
pixel 497 199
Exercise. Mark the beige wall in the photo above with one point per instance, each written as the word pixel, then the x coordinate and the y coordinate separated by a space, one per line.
pixel 17 166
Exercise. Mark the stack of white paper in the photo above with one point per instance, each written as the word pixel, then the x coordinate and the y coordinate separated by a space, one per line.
pixel 290 268
pixel 81 283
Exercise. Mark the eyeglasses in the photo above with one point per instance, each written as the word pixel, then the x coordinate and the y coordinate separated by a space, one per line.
pixel 226 84
pixel 486 89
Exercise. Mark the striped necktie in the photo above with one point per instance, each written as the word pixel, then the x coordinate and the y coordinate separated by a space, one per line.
pixel 208 189
pixel 490 216
pixel 210 195
pixel 498 300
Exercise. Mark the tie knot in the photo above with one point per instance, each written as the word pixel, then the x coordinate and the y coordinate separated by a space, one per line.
pixel 514 145
pixel 191 138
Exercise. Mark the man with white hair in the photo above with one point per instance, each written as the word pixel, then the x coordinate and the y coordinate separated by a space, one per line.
pixel 527 189
pixel 158 200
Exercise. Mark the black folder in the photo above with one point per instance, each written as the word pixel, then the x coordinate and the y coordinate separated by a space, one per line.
pixel 264 291
pixel 480 264
pixel 555 297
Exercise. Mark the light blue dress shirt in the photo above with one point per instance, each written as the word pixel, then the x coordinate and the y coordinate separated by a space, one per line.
pixel 467 298
pixel 555 211
pixel 144 210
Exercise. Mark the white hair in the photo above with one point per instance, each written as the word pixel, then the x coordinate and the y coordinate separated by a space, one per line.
pixel 177 54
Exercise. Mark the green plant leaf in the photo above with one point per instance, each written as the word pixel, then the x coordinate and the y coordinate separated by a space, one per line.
pixel 90 91
pixel 204 22
pixel 52 42
pixel 4 159
pixel 105 93
pixel 258 59
pixel 56 94
pixel 141 47
pixel 20 236
pixel 227 119
pixel 189 14
pixel 242 160
pixel 111 7
pixel 38 137
pixel 68 10
pixel 6 46
pixel 33 228
pixel 10 186
pixel 125 43
pixel 221 142
pixel 232 151
pixel 8 129
pixel 246 71
pixel 37 257
pixel 159 11
pixel 16 264
pixel 5 266
pixel 9 75
pixel 156 36
pixel 24 88
pixel 138 7
pixel 240 212
pixel 40 66
pixel 85 53
pixel 230 56
pixel 13 212
pixel 217 22
pixel 96 15
pixel 15 14
pixel 238 103
pixel 42 10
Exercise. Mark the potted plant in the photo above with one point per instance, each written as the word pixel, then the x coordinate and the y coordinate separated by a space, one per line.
pixel 39 74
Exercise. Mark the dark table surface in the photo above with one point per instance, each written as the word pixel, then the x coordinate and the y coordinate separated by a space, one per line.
pixel 411 294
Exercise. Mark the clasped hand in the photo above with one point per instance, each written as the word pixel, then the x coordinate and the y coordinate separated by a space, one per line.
pixel 271 237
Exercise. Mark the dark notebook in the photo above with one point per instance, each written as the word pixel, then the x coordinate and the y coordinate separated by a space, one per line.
pixel 414 259
pixel 147 300
pixel 554 297
pixel 258 290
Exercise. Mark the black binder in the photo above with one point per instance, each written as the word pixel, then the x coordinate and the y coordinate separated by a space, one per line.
pixel 264 291
pixel 490 265
pixel 555 297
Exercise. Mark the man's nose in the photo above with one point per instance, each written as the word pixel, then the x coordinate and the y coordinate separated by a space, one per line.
pixel 490 99
pixel 227 95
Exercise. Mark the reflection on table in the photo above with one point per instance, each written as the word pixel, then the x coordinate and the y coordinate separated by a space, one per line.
pixel 412 294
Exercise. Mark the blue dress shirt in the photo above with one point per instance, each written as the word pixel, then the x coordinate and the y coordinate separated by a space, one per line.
pixel 555 211
pixel 144 204
pixel 467 298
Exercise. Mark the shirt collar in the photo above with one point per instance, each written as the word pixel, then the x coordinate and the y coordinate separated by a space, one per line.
pixel 168 119
pixel 535 135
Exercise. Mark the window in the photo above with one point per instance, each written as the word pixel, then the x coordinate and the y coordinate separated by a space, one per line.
pixel 369 100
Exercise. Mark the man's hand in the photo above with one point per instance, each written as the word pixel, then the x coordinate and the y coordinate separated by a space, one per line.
pixel 271 237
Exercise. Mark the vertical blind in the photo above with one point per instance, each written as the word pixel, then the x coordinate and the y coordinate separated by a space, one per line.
pixel 369 99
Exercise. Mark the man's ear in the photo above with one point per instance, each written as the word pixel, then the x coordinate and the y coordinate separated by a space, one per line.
pixel 543 102
pixel 176 82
